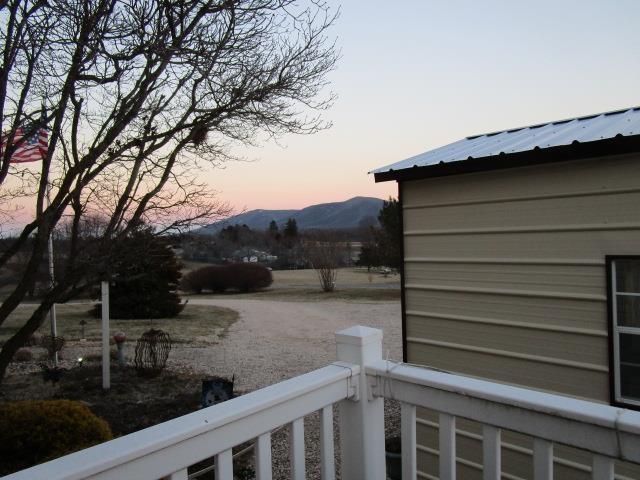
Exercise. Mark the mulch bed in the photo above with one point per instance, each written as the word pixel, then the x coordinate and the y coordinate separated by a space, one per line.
pixel 132 403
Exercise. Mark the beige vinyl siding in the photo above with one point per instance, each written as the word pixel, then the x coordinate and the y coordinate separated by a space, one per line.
pixel 505 279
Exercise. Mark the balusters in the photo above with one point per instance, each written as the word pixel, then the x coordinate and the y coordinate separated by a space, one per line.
pixel 224 465
pixel 408 437
pixel 327 455
pixel 296 430
pixel 447 439
pixel 491 460
pixel 542 459
pixel 264 469
pixel 602 468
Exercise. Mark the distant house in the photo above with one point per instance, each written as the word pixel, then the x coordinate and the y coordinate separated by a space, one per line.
pixel 522 265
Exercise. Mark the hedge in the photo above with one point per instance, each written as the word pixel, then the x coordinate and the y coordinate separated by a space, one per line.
pixel 243 277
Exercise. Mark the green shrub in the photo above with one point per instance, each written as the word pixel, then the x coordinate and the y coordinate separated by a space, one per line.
pixel 244 277
pixel 35 431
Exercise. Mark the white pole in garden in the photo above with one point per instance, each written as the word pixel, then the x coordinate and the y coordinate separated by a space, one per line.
pixel 52 282
pixel 106 373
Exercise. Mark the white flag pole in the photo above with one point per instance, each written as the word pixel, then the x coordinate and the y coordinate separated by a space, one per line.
pixel 52 312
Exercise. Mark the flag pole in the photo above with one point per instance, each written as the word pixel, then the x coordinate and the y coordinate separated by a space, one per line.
pixel 52 311
pixel 31 149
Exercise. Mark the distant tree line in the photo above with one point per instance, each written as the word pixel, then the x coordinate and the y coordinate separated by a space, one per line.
pixel 286 242
pixel 383 248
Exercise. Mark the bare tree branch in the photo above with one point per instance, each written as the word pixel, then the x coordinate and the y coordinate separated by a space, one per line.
pixel 137 95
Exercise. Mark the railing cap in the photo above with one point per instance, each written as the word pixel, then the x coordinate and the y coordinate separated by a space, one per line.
pixel 359 335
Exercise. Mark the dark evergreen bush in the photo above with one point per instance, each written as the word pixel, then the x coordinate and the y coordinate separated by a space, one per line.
pixel 35 431
pixel 144 279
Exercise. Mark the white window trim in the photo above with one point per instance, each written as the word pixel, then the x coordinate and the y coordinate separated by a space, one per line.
pixel 617 330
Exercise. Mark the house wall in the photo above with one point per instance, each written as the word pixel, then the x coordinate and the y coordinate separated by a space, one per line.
pixel 505 280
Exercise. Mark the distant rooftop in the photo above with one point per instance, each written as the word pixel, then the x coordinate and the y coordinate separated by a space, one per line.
pixel 573 131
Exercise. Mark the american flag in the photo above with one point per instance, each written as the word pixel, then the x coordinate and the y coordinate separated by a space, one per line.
pixel 30 148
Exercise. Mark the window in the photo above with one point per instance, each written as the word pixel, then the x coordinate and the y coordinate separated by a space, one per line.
pixel 624 306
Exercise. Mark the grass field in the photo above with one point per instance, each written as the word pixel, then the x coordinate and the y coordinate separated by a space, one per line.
pixel 352 284
pixel 347 277
pixel 206 324
pixel 202 324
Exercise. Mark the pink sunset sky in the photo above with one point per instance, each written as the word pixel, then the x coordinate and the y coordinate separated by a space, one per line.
pixel 418 74
pixel 415 75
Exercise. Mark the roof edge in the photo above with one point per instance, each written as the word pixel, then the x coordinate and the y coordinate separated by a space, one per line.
pixel 556 122
pixel 618 145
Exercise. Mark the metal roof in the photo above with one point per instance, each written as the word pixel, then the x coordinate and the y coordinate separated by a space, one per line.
pixel 545 135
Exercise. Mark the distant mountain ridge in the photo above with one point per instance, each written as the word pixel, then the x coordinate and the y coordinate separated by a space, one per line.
pixel 335 215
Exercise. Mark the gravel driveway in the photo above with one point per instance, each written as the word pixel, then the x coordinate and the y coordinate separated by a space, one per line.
pixel 276 340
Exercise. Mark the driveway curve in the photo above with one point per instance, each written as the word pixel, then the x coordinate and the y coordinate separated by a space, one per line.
pixel 276 340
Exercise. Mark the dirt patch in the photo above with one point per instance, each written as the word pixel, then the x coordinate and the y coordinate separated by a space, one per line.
pixel 209 324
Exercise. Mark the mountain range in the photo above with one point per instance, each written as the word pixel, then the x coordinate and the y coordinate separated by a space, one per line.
pixel 337 215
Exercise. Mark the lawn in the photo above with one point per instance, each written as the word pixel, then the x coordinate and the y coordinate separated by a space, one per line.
pixel 201 324
pixel 352 284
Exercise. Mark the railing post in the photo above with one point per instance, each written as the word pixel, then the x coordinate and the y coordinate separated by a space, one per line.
pixel 361 419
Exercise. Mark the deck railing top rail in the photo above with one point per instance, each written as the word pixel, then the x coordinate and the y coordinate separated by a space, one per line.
pixel 606 431
pixel 559 407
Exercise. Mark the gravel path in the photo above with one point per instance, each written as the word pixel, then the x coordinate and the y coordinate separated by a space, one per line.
pixel 276 340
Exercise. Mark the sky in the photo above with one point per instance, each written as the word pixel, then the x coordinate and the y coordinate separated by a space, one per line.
pixel 416 75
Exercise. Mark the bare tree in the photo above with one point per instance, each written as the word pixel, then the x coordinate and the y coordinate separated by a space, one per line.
pixel 137 95
pixel 325 254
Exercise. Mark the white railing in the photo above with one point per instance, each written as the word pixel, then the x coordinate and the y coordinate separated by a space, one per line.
pixel 608 433
pixel 168 449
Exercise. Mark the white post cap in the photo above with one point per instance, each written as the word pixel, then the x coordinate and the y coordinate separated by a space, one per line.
pixel 359 335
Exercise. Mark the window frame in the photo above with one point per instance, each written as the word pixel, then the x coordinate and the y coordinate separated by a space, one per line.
pixel 614 330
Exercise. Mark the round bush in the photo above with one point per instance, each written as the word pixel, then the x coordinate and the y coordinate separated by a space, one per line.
pixel 245 277
pixel 35 431
pixel 205 278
